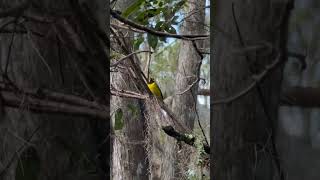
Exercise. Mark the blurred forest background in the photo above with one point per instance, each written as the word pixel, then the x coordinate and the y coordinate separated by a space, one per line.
pixel 299 126
pixel 280 111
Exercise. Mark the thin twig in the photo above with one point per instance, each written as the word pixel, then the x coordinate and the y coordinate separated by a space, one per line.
pixel 198 118
pixel 189 87
pixel 194 44
pixel 17 151
pixel 9 50
pixel 260 91
pixel 148 65
pixel 34 46
pixel 128 94
pixel 257 79
pixel 125 27
pixel 128 56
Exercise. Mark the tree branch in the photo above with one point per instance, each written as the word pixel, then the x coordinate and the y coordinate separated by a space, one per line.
pixel 204 92
pixel 190 140
pixel 53 102
pixel 307 97
pixel 257 79
pixel 128 94
pixel 301 96
pixel 128 56
pixel 154 32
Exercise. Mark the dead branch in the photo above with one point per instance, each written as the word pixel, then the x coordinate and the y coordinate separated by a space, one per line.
pixel 128 94
pixel 127 56
pixel 190 140
pixel 189 87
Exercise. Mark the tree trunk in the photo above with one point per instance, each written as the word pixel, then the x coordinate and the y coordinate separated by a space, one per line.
pixel 189 63
pixel 243 129
pixel 130 160
pixel 188 73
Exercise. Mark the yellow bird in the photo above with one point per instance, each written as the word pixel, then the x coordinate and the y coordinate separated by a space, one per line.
pixel 154 88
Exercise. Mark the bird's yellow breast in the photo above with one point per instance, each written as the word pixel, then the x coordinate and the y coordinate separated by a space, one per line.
pixel 154 88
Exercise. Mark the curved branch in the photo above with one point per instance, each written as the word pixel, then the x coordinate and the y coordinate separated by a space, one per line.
pixel 257 79
pixel 154 32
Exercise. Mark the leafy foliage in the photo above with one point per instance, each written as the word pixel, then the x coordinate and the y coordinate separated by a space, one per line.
pixel 160 15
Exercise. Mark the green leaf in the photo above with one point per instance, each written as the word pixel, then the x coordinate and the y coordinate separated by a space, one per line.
pixel 118 119
pixel 138 42
pixel 152 12
pixel 132 8
pixel 180 3
pixel 160 4
pixel 132 108
pixel 174 20
pixel 171 30
pixel 178 6
pixel 159 25
pixel 163 39
pixel 152 41
pixel 167 14
pixel 142 18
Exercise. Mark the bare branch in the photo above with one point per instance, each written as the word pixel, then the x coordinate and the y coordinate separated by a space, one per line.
pixel 127 28
pixel 190 140
pixel 128 56
pixel 307 97
pixel 301 96
pixel 204 92
pixel 189 87
pixel 69 98
pixel 152 31
pixel 62 103
pixel 128 94
pixel 257 79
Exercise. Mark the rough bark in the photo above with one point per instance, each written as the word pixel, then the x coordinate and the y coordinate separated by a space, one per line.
pixel 129 153
pixel 187 75
pixel 243 139
pixel 189 64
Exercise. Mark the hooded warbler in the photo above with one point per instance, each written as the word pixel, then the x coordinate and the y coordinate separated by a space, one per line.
pixel 154 88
